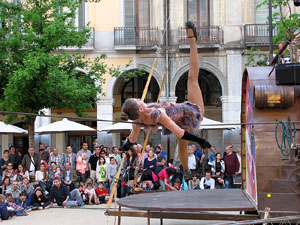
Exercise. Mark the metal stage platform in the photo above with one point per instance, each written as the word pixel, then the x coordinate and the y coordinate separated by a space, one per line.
pixel 192 204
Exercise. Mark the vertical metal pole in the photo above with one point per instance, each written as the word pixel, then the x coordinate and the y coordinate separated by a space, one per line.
pixel 270 33
pixel 167 65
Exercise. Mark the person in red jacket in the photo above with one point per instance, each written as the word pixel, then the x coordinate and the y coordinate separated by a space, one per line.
pixel 232 166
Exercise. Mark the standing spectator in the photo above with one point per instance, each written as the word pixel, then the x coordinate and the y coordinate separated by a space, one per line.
pixel 162 151
pixel 194 183
pixel 4 162
pixel 191 158
pixel 57 158
pixel 60 193
pixel 21 173
pixel 207 182
pixel 14 157
pixel 5 185
pixel 70 178
pixel 9 172
pixel 31 163
pixel 164 176
pixel 218 169
pixel 51 175
pixel 81 165
pixel 212 157
pixel 103 154
pixel 15 190
pixel 139 148
pixel 45 155
pixel 161 160
pixel 93 163
pixel 112 169
pixel 41 176
pixel 39 200
pixel 232 166
pixel 150 162
pixel 70 157
pixel 101 170
pixel 116 154
pixel 88 153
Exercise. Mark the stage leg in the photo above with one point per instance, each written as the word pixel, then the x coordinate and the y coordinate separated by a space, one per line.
pixel 148 219
pixel 161 221
pixel 119 217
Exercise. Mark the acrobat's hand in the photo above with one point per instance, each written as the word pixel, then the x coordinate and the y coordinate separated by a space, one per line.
pixel 126 146
pixel 191 137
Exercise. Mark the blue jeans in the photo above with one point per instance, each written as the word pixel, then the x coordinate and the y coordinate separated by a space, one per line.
pixel 162 185
pixel 20 213
pixel 43 186
pixel 229 181
pixel 75 195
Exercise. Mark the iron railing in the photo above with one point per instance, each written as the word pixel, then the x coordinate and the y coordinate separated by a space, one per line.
pixel 139 36
pixel 258 33
pixel 210 35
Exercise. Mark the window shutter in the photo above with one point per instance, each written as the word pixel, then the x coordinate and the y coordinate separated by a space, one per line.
pixel 81 14
pixel 129 22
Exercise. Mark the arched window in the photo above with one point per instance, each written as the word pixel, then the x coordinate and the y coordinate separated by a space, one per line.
pixel 210 87
pixel 135 87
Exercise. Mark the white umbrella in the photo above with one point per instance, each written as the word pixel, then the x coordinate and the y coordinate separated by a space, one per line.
pixel 64 125
pixel 208 124
pixel 120 127
pixel 11 129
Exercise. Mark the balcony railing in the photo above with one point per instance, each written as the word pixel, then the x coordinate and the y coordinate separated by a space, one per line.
pixel 257 34
pixel 138 36
pixel 207 36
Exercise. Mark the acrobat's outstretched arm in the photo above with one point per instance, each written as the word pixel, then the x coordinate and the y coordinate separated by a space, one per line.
pixel 136 129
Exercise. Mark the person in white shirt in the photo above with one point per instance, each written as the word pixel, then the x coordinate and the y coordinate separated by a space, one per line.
pixel 90 191
pixel 207 182
pixel 191 158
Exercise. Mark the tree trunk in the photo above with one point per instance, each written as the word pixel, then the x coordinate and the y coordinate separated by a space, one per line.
pixel 31 131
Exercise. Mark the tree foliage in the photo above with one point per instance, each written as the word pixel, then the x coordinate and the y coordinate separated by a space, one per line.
pixel 35 70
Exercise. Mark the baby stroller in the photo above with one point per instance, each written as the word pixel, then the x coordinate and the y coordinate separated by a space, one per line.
pixel 152 179
pixel 180 176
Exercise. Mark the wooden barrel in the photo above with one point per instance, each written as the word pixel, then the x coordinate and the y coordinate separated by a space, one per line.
pixel 273 96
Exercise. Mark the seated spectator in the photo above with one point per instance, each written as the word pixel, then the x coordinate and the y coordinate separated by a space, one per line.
pixel 191 158
pixel 146 186
pixel 91 194
pixel 28 188
pixel 161 160
pixel 6 184
pixel 207 182
pixel 41 176
pixel 164 176
pixel 218 169
pixel 4 162
pixel 14 190
pixel 112 170
pixel 9 172
pixel 81 189
pixel 3 208
pixel 38 199
pixel 70 177
pixel 51 175
pixel 45 155
pixel 57 158
pixel 150 162
pixel 101 170
pixel 194 183
pixel 81 166
pixel 21 173
pixel 102 193
pixel 13 207
pixel 21 201
pixel 60 193
pixel 177 184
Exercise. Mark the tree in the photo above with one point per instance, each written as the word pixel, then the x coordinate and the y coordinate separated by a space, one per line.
pixel 285 24
pixel 35 71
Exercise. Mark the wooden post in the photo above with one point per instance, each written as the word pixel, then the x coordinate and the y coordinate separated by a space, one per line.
pixel 119 217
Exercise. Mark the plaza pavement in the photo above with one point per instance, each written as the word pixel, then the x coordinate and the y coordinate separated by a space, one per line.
pixel 89 215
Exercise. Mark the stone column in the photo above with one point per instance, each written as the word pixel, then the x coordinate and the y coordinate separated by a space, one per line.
pixel 104 112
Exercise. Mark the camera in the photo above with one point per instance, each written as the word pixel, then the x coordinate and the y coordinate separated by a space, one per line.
pixel 297 3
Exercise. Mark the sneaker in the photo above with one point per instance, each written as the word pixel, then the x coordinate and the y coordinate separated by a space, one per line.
pixel 25 213
pixel 47 207
pixel 46 193
pixel 28 210
pixel 40 208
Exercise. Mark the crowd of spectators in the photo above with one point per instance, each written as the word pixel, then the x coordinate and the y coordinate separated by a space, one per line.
pixel 42 178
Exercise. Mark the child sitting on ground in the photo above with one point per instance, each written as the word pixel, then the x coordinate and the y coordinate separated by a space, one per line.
pixel 91 194
pixel 194 183
pixel 81 189
pixel 146 186
pixel 21 201
pixel 102 193
pixel 3 208
pixel 177 184
pixel 13 207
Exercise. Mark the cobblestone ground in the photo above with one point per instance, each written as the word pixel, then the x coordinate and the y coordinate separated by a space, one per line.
pixel 89 215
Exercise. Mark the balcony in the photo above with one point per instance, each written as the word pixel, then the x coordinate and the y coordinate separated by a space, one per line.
pixel 135 38
pixel 88 46
pixel 208 37
pixel 257 34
